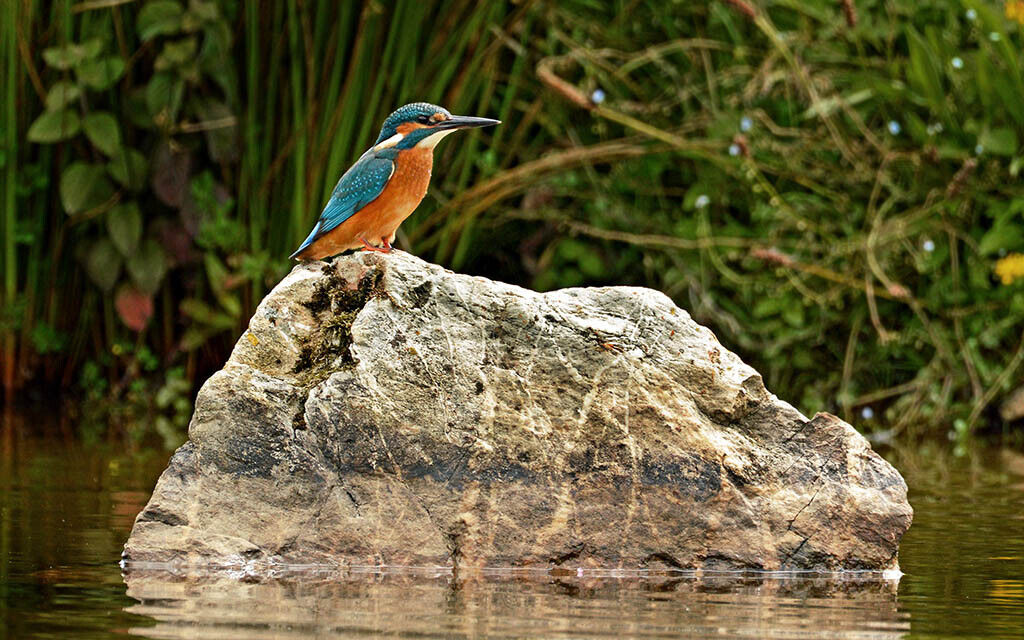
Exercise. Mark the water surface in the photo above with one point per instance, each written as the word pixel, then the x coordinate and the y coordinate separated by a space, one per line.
pixel 66 508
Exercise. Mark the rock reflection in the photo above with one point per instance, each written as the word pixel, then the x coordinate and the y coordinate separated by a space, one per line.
pixel 511 604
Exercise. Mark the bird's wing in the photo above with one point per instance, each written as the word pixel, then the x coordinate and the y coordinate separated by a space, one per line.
pixel 360 185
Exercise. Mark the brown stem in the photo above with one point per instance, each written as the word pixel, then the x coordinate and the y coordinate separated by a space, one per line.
pixel 850 11
pixel 745 8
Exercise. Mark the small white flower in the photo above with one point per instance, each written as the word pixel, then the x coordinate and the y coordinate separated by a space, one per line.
pixel 598 96
pixel 971 14
pixel 734 149
pixel 994 36
pixel 746 124
pixel 867 413
pixel 702 201
pixel 957 63
pixel 928 246
pixel 895 128
pixel 979 149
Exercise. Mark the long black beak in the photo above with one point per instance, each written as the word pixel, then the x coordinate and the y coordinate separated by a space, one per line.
pixel 465 122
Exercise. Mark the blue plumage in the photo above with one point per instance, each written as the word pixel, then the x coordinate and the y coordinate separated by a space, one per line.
pixel 360 185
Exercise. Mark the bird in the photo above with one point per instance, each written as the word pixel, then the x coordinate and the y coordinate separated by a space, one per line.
pixel 386 184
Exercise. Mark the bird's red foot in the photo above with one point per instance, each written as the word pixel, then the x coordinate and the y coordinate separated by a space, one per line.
pixel 387 244
pixel 369 247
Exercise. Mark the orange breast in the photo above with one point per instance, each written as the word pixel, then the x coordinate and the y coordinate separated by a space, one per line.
pixel 379 219
pixel 405 190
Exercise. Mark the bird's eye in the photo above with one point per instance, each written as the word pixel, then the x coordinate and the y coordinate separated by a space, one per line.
pixel 423 119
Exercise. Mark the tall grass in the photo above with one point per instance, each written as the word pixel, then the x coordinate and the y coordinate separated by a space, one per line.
pixel 817 181
pixel 345 72
pixel 9 163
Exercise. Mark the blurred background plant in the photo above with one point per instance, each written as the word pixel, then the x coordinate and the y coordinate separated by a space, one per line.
pixel 832 186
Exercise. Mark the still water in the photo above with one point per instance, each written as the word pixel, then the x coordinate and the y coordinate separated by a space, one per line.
pixel 66 507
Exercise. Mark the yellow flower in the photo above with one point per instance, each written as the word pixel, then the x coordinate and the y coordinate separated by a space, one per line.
pixel 1011 267
pixel 1015 10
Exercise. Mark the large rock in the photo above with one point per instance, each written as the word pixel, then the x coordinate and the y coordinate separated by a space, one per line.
pixel 383 410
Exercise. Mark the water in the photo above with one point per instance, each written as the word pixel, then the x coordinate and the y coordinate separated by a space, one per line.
pixel 66 508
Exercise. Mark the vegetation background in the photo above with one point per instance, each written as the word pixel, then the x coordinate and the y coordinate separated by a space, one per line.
pixel 832 186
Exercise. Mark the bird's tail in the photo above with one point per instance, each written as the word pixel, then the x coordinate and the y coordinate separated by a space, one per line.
pixel 308 241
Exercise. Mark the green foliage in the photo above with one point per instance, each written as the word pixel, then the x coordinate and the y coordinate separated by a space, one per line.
pixel 46 339
pixel 148 266
pixel 103 264
pixel 60 95
pixel 124 225
pixel 100 74
pixel 837 202
pixel 129 167
pixel 158 18
pixel 831 199
pixel 54 126
pixel 153 407
pixel 101 130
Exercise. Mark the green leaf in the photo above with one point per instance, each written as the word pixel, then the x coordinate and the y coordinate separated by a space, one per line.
pixel 102 130
pixel 218 275
pixel 176 53
pixel 216 272
pixel 199 12
pixel 158 17
pixel 129 167
pixel 134 107
pixel 84 186
pixel 1002 236
pixel 793 313
pixel 60 95
pixel 217 38
pixel 62 57
pixel 103 264
pixel 91 48
pixel 1002 142
pixel 204 314
pixel 221 132
pixel 54 126
pixel 769 306
pixel 46 339
pixel 124 224
pixel 923 72
pixel 194 337
pixel 163 93
pixel 101 74
pixel 71 54
pixel 591 265
pixel 148 265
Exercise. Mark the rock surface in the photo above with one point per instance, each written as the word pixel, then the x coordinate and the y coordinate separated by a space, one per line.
pixel 381 410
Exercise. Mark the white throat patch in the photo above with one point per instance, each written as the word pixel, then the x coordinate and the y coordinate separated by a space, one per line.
pixel 431 141
pixel 390 142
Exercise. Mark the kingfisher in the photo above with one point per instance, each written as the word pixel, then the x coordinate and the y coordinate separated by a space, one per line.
pixel 386 184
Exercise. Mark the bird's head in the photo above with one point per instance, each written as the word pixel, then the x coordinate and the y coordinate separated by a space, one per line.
pixel 423 125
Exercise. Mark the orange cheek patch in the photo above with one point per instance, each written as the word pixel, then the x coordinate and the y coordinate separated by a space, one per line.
pixel 408 127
